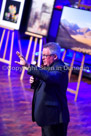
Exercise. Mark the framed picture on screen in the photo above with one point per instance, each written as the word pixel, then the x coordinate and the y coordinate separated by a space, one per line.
pixel 11 13
pixel 40 17
pixel 74 30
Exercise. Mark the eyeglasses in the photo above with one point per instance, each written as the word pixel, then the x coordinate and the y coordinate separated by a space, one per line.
pixel 43 55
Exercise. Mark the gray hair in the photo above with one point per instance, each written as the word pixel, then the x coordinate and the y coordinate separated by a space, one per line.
pixel 54 48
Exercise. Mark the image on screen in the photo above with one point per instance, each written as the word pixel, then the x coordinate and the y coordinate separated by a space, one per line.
pixel 40 17
pixel 11 13
pixel 74 31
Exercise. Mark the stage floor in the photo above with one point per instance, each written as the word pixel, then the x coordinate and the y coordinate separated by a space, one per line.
pixel 16 100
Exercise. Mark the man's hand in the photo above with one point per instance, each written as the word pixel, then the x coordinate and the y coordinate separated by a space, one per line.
pixel 31 80
pixel 22 60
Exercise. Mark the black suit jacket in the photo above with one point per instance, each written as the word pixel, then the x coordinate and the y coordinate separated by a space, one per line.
pixel 49 104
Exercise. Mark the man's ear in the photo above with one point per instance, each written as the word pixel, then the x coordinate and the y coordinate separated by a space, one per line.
pixel 55 57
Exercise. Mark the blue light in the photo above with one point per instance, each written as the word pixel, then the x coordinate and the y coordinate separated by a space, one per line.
pixel 36 53
pixel 88 71
pixel 62 50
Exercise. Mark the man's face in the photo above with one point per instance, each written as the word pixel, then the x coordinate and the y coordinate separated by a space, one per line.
pixel 47 57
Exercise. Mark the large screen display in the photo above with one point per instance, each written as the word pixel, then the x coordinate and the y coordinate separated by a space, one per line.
pixel 74 31
pixel 40 17
pixel 11 13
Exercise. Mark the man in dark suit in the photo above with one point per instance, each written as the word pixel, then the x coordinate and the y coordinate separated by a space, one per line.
pixel 49 106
